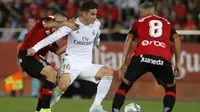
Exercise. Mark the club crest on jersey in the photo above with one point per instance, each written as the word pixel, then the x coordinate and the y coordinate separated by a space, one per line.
pixel 93 32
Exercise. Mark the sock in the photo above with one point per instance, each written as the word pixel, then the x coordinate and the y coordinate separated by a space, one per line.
pixel 102 89
pixel 120 95
pixel 39 102
pixel 169 99
pixel 57 93
pixel 47 88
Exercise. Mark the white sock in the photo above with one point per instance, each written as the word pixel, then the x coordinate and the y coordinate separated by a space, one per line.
pixel 102 89
pixel 56 95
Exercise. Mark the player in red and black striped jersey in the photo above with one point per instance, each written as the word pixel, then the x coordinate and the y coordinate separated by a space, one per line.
pixel 152 54
pixel 36 66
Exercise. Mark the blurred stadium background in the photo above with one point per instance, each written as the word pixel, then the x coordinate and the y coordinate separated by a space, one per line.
pixel 18 91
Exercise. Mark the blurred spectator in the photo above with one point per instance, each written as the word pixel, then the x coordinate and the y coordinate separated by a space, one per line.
pixel 128 8
pixel 34 9
pixel 180 10
pixel 183 14
pixel 71 8
pixel 111 15
pixel 160 8
pixel 190 23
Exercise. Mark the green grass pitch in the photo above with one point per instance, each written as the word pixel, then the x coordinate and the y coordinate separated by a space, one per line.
pixel 27 104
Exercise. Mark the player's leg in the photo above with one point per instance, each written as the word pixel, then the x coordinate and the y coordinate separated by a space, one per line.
pixel 69 72
pixel 164 75
pixel 134 71
pixel 39 69
pixel 63 84
pixel 47 85
pixel 98 73
pixel 105 76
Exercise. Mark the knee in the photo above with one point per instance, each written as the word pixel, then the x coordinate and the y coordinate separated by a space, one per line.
pixel 63 83
pixel 171 85
pixel 107 71
pixel 63 86
pixel 104 72
pixel 49 73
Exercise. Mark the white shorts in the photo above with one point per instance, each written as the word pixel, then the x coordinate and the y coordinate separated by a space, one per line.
pixel 79 69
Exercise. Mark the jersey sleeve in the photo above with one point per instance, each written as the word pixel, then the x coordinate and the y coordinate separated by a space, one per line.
pixel 133 29
pixel 97 38
pixel 62 31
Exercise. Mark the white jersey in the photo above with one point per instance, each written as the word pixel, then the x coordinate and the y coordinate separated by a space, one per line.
pixel 80 42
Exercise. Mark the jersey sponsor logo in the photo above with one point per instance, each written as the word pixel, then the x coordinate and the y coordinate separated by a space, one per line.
pixel 82 42
pixel 85 41
pixel 151 61
pixel 153 42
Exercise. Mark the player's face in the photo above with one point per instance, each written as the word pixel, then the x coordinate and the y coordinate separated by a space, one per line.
pixel 90 16
pixel 31 22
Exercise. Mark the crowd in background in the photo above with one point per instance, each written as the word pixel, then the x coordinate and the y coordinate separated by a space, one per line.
pixel 113 14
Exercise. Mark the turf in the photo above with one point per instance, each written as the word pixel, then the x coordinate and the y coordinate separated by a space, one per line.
pixel 27 104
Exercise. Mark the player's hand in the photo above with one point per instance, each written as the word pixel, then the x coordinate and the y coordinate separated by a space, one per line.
pixel 177 69
pixel 31 52
pixel 122 71
pixel 71 24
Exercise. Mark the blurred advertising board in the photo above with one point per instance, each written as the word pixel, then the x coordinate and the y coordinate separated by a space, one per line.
pixel 110 54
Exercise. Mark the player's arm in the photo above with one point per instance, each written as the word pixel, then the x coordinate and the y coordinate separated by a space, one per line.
pixel 126 49
pixel 127 45
pixel 132 33
pixel 55 24
pixel 51 23
pixel 177 49
pixel 97 39
pixel 58 34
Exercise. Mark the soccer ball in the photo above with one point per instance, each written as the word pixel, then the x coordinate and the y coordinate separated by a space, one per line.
pixel 132 107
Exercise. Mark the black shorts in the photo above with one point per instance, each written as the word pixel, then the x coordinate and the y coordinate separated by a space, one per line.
pixel 158 66
pixel 31 65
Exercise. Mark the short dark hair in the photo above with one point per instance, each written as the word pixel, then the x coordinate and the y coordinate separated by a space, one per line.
pixel 60 13
pixel 147 5
pixel 87 5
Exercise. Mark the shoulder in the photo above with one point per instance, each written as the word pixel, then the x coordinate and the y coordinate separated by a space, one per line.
pixel 97 23
pixel 162 19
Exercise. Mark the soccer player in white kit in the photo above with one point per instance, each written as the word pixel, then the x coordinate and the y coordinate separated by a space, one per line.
pixel 78 57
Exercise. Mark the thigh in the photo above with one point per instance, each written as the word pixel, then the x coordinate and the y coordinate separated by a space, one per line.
pixel 31 66
pixel 71 68
pixel 136 69
pixel 89 72
pixel 164 74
